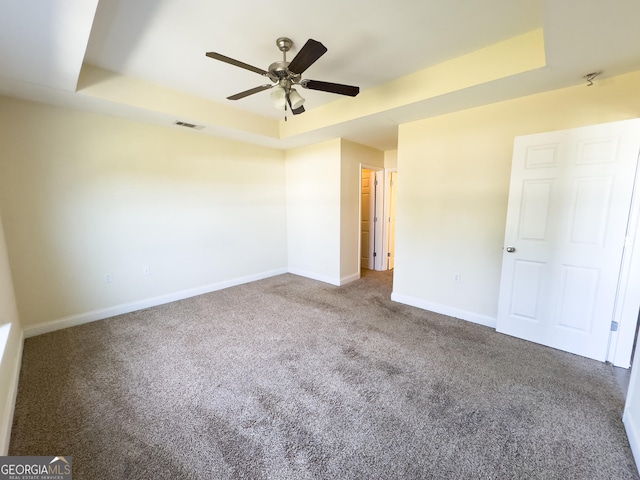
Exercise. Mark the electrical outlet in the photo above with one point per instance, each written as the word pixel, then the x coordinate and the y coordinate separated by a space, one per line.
pixel 108 278
pixel 146 270
pixel 456 277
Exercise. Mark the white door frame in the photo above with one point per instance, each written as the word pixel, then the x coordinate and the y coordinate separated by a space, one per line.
pixel 627 305
pixel 379 225
pixel 387 211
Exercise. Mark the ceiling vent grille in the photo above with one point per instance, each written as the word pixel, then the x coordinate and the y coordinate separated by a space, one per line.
pixel 188 125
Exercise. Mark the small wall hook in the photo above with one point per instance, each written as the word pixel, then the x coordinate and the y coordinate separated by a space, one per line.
pixel 590 77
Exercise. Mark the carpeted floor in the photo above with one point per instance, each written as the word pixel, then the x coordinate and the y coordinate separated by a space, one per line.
pixel 288 378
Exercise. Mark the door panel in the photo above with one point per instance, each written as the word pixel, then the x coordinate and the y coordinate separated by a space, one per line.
pixel 567 217
pixel 536 198
pixel 578 292
pixel 590 210
pixel 527 278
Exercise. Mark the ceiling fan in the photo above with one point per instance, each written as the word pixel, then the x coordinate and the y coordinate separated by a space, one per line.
pixel 285 75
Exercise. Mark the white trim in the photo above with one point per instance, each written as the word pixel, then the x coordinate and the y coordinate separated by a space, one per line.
pixel 6 421
pixel 627 303
pixel 633 435
pixel 473 317
pixel 387 207
pixel 631 424
pixel 349 278
pixel 73 320
pixel 315 276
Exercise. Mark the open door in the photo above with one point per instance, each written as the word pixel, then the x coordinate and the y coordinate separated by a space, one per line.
pixel 567 217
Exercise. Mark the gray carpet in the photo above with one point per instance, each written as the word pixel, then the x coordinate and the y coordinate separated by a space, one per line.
pixel 288 378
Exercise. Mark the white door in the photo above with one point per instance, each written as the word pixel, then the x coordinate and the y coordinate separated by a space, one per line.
pixel 378 223
pixel 569 203
pixel 391 221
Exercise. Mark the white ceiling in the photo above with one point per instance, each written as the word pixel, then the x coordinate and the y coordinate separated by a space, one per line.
pixel 369 42
pixel 43 44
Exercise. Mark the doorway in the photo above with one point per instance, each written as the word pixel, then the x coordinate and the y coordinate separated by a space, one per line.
pixel 371 216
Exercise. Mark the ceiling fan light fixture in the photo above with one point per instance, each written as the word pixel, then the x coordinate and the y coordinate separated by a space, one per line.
pixel 296 99
pixel 279 98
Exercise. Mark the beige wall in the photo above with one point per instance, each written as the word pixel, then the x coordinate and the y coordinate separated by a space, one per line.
pixel 313 211
pixel 352 157
pixel 8 307
pixel 452 201
pixel 86 195
pixel 83 195
pixel 10 346
pixel 391 159
pixel 323 199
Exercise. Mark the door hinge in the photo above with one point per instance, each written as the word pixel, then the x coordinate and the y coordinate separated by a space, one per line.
pixel 614 326
pixel 375 254
pixel 388 254
pixel 375 182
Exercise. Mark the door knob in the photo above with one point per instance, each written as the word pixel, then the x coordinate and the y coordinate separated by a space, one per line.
pixel 511 249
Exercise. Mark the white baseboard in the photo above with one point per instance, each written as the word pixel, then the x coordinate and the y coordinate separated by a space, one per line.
pixel 6 420
pixel 315 276
pixel 349 278
pixel 73 320
pixel 633 435
pixel 485 320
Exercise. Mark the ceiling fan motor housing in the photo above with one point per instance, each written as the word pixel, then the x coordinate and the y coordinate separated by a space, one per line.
pixel 279 73
pixel 278 70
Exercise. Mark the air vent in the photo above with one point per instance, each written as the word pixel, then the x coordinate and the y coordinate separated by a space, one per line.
pixel 188 125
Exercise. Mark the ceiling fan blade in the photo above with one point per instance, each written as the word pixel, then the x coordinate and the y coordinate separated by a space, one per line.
pixel 308 54
pixel 331 87
pixel 246 93
pixel 237 63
